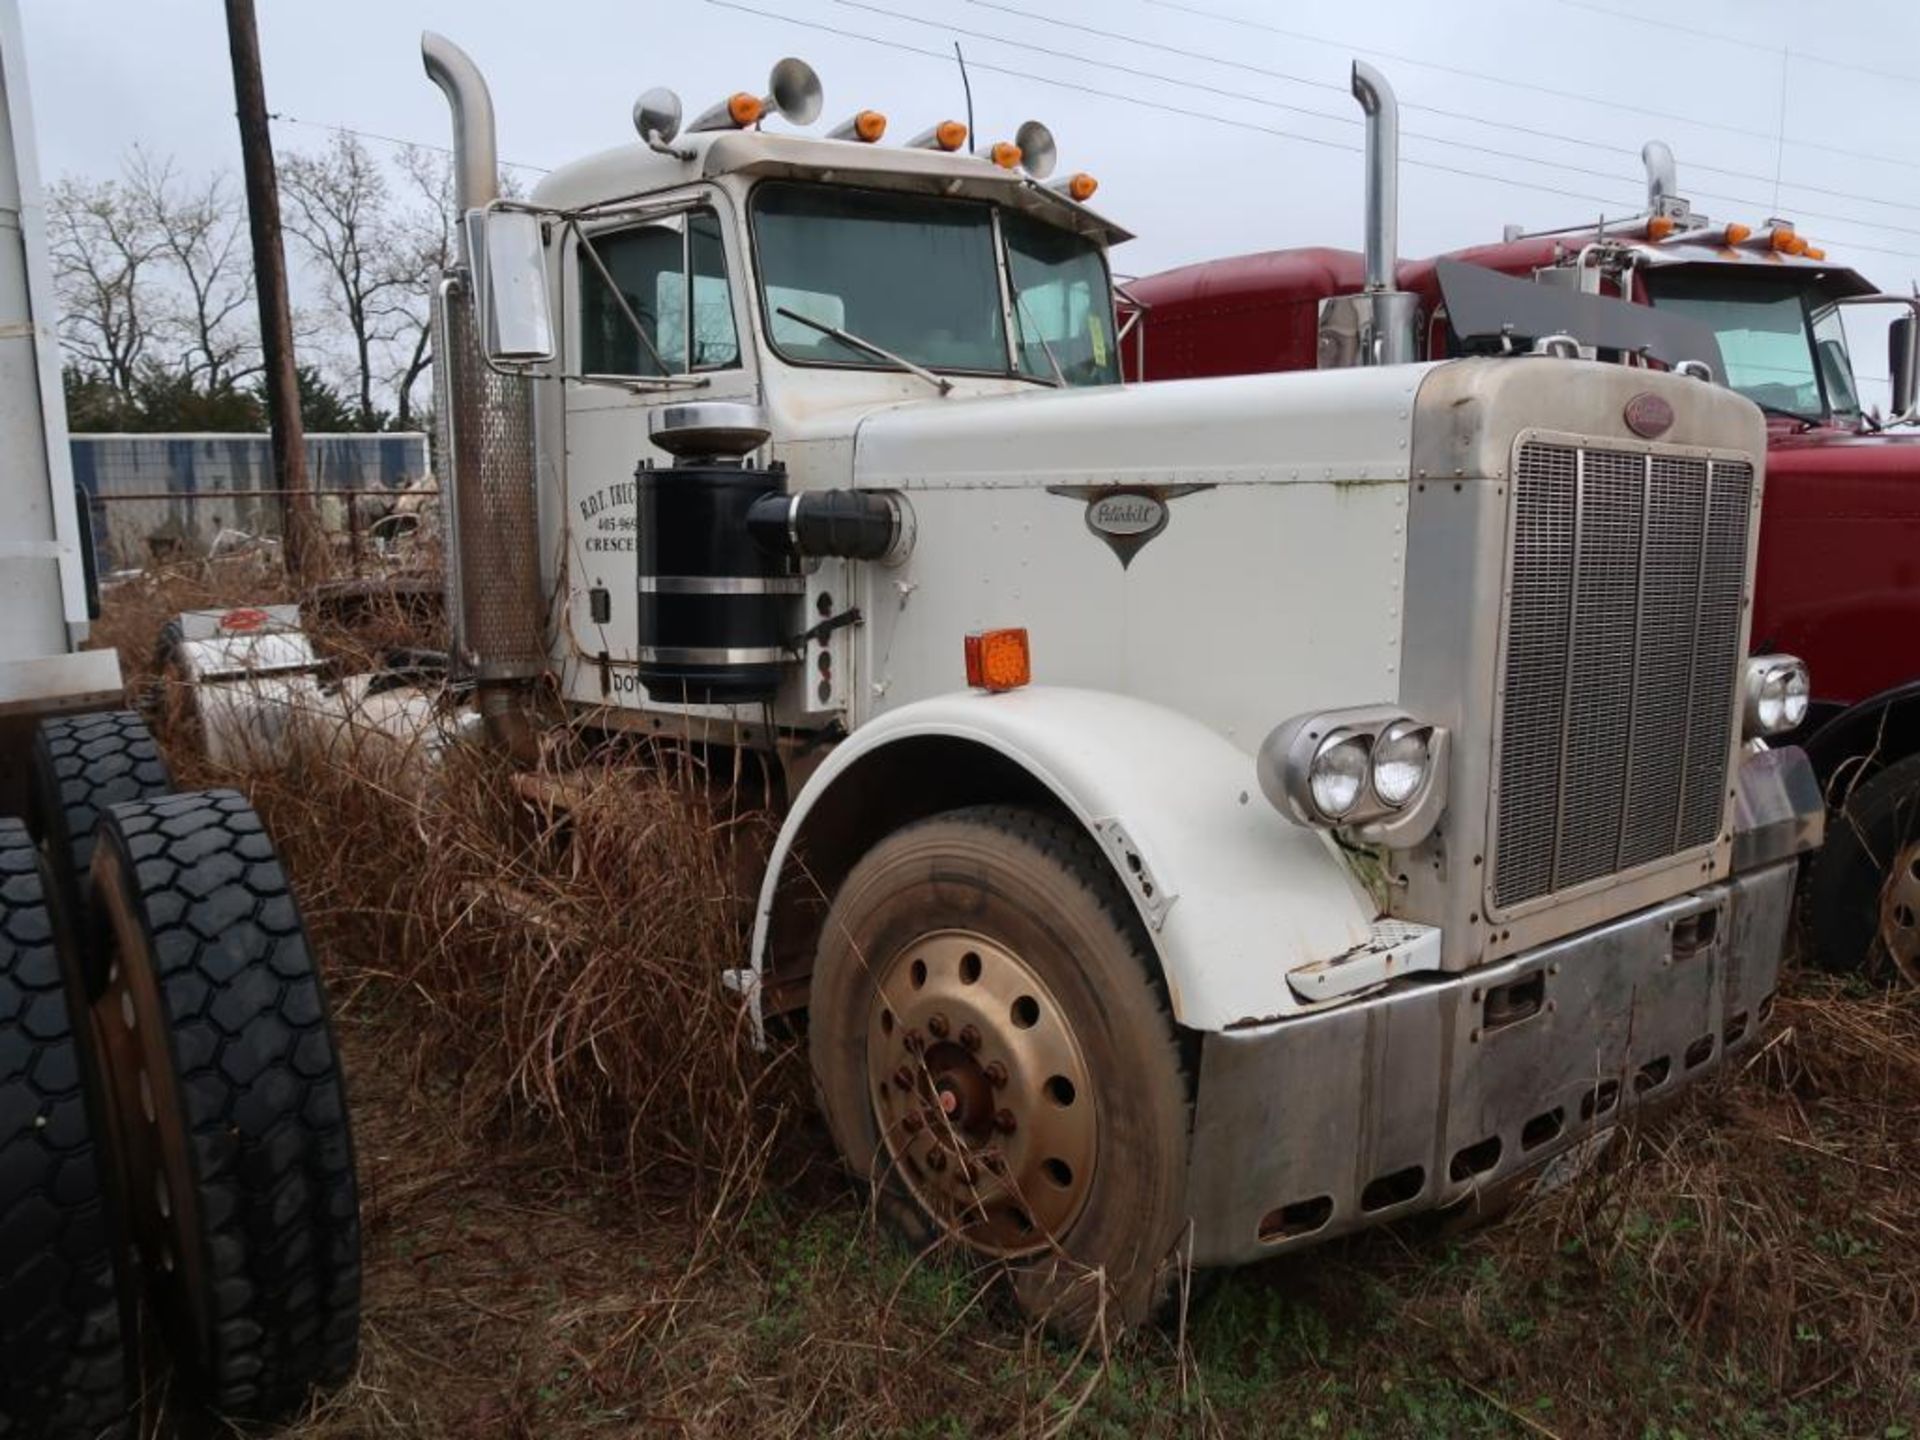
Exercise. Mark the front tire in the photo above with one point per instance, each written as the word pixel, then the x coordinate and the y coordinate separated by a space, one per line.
pixel 994 1050
pixel 1864 893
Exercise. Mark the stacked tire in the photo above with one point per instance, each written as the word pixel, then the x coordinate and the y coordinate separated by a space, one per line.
pixel 174 1140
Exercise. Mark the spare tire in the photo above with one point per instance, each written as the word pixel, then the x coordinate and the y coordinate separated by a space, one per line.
pixel 63 1366
pixel 82 764
pixel 239 1164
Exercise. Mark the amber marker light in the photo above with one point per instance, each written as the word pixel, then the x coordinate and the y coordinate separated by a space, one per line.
pixel 1080 187
pixel 744 109
pixel 1781 238
pixel 1659 227
pixel 869 125
pixel 1005 154
pixel 1736 232
pixel 1814 253
pixel 998 660
pixel 950 135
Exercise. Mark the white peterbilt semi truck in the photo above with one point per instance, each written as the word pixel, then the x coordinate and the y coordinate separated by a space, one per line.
pixel 1218 814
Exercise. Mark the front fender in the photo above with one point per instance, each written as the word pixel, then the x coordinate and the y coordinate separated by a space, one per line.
pixel 1231 895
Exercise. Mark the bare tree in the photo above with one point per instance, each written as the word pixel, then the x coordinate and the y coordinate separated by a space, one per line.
pixel 202 235
pixel 426 251
pixel 338 205
pixel 106 251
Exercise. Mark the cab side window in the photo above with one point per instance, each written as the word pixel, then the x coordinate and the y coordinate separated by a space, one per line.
pixel 673 276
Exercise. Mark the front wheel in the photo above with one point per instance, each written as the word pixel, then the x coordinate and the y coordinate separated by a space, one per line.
pixel 993 1049
pixel 1864 892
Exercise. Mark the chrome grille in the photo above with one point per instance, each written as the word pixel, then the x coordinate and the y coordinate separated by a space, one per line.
pixel 1623 624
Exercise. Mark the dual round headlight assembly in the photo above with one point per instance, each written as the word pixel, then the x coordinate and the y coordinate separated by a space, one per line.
pixel 1346 768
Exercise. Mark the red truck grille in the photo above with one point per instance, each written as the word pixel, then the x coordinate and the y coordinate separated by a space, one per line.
pixel 1622 651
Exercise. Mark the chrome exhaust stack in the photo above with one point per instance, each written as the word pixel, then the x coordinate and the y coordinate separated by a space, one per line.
pixel 1663 185
pixel 1377 326
pixel 485 443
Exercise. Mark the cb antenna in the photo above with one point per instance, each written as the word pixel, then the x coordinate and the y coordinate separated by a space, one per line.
pixel 966 85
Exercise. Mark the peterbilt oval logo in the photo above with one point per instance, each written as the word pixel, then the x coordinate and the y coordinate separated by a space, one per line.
pixel 1648 415
pixel 1127 515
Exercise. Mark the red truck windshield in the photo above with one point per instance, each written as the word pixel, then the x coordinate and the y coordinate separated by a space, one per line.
pixel 1784 348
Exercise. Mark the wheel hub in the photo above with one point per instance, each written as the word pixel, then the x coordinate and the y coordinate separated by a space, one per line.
pixel 981 1092
pixel 1900 912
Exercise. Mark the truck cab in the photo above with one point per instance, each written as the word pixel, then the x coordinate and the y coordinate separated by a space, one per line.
pixel 1835 583
pixel 1215 816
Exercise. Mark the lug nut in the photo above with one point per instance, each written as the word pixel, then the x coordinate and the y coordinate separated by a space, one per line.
pixel 970 1036
pixel 994 1161
pixel 903 1078
pixel 1004 1122
pixel 913 1122
pixel 937 1027
pixel 915 1042
pixel 997 1075
pixel 936 1159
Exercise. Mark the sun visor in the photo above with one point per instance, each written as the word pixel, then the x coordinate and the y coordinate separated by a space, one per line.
pixel 1484 306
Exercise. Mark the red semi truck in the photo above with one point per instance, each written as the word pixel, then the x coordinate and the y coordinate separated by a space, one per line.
pixel 1839 565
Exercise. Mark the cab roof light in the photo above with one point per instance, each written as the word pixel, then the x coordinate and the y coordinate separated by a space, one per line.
pixel 1813 252
pixel 1659 227
pixel 998 660
pixel 1003 153
pixel 743 109
pixel 1782 238
pixel 947 135
pixel 1078 187
pixel 1736 232
pixel 865 126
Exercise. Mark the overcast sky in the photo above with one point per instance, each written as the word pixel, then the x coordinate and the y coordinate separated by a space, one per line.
pixel 1818 100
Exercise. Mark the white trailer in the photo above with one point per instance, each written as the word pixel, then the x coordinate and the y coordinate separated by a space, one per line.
pixel 45 587
pixel 1218 814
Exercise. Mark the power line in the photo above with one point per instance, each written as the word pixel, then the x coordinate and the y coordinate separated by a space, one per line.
pixel 1159 105
pixel 1613 13
pixel 1171 109
pixel 285 119
pixel 1461 115
pixel 1611 102
pixel 1344 119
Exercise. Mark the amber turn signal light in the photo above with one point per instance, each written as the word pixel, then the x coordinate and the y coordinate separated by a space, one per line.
pixel 998 660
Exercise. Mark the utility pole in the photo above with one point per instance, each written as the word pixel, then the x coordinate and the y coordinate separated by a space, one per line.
pixel 303 540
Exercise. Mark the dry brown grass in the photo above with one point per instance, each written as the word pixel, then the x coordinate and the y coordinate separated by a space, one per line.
pixel 591 1208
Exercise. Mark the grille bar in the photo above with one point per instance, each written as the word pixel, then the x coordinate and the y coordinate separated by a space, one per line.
pixel 1623 625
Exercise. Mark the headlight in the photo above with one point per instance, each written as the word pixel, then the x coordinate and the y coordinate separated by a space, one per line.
pixel 1372 770
pixel 1400 760
pixel 1337 775
pixel 1778 691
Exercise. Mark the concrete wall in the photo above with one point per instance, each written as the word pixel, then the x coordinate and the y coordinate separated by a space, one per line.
pixel 204 481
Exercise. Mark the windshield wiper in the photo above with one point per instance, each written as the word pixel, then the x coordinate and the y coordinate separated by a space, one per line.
pixel 1808 421
pixel 834 332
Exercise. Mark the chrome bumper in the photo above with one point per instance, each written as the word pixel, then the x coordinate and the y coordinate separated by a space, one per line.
pixel 1312 1127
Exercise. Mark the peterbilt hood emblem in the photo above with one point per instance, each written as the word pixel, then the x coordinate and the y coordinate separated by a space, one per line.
pixel 1126 516
pixel 1648 415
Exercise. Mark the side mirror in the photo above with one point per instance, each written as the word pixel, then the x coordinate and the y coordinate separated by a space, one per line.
pixel 510 275
pixel 1903 363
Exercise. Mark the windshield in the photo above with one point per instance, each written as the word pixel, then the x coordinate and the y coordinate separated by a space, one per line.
pixel 1778 353
pixel 921 277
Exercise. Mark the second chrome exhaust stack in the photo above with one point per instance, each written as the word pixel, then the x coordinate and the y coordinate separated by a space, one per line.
pixel 1375 327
